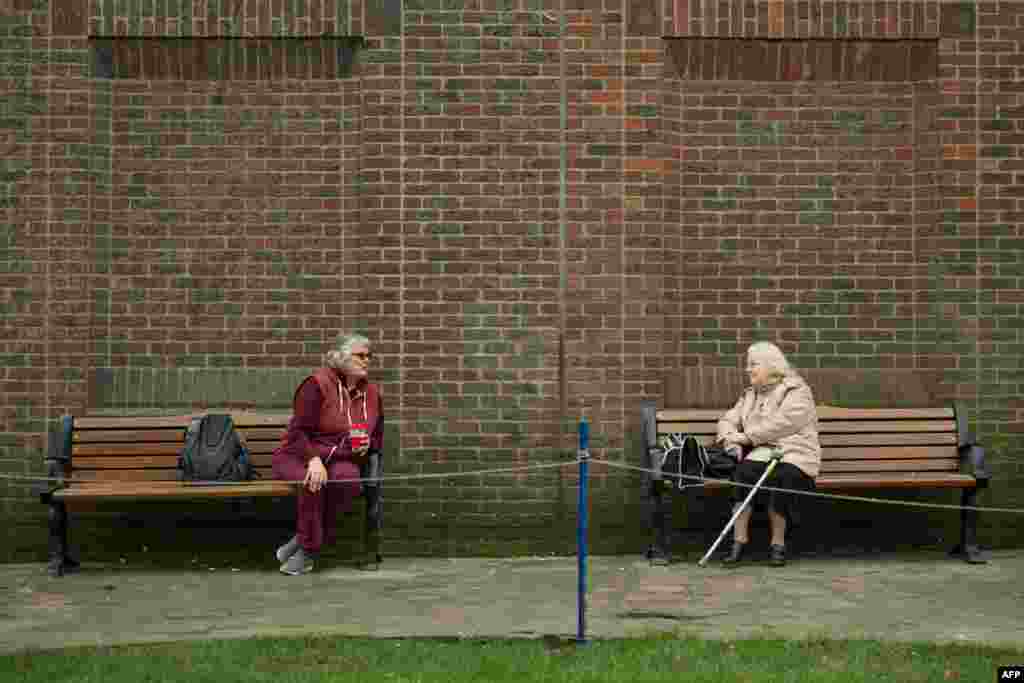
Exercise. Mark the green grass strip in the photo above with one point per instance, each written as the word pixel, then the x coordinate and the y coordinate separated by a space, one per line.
pixel 659 658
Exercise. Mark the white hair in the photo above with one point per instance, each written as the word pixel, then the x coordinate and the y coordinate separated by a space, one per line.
pixel 342 350
pixel 771 357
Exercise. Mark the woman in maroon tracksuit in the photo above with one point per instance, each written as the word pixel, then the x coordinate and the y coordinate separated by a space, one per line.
pixel 336 426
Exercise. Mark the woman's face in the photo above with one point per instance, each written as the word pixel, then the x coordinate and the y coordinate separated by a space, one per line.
pixel 757 372
pixel 357 365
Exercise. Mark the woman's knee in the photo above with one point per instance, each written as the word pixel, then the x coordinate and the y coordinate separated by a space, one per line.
pixel 288 470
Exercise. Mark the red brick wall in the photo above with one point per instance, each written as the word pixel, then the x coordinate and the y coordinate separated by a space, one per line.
pixel 203 239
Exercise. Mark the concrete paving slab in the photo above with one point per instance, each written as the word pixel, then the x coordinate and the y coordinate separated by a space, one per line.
pixel 917 596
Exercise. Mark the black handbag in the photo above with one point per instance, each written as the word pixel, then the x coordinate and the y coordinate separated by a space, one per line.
pixel 720 462
pixel 685 457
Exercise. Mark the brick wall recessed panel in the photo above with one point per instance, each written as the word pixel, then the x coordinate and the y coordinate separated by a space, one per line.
pixel 244 59
pixel 817 19
pixel 797 206
pixel 234 18
pixel 205 178
pixel 738 59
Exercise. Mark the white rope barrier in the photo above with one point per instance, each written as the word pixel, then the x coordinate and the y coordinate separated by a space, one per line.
pixel 438 475
pixel 816 494
pixel 700 481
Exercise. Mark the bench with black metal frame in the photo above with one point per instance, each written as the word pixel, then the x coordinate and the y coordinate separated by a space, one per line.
pixel 908 448
pixel 100 458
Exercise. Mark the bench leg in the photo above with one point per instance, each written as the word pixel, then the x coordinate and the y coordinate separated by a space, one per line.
pixel 61 561
pixel 658 552
pixel 374 522
pixel 968 546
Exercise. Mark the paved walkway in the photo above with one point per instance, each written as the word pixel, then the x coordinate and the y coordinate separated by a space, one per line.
pixel 918 596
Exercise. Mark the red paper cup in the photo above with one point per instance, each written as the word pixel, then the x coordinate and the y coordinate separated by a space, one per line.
pixel 359 435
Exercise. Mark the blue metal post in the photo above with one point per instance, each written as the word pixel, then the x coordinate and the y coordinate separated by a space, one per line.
pixel 581 533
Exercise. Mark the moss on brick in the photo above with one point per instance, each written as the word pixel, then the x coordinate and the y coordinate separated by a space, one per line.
pixel 997 151
pixel 447 229
pixel 480 362
pixel 642 110
pixel 812 218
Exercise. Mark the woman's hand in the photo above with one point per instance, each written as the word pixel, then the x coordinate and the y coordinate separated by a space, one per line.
pixel 316 475
pixel 737 438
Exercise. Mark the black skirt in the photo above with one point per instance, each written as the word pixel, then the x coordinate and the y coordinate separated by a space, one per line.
pixel 784 476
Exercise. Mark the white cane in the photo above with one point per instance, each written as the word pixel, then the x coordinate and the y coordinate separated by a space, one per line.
pixel 776 456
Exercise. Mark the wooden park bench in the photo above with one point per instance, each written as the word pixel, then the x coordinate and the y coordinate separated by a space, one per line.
pixel 906 448
pixel 135 458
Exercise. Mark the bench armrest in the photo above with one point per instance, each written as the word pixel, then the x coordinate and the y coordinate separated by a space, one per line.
pixel 649 451
pixel 973 456
pixel 654 463
pixel 58 445
pixel 44 489
pixel 971 453
pixel 58 457
pixel 373 491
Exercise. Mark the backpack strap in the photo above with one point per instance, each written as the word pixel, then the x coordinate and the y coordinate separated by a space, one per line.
pixel 191 437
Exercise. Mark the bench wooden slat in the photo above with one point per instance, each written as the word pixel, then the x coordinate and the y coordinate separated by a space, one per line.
pixel 146 461
pixel 125 450
pixel 938 426
pixel 890 439
pixel 244 420
pixel 262 447
pixel 263 433
pixel 870 414
pixel 135 422
pixel 125 463
pixel 150 474
pixel 888 453
pixel 240 418
pixel 174 489
pixel 840 482
pixel 127 435
pixel 824 413
pixel 824 427
pixel 886 439
pixel 929 465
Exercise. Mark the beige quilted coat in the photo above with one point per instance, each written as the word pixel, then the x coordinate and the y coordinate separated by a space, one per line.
pixel 782 414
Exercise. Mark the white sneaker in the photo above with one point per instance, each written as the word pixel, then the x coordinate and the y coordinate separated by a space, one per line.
pixel 287 550
pixel 297 564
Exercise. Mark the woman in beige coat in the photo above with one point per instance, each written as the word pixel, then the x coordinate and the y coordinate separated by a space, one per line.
pixel 776 411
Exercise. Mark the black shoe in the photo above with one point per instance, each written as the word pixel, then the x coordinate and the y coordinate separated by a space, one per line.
pixel 657 555
pixel 733 558
pixel 778 558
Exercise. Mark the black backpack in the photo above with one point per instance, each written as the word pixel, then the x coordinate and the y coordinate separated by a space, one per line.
pixel 213 452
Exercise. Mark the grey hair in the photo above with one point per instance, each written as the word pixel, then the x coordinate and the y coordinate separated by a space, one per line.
pixel 342 350
pixel 771 357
